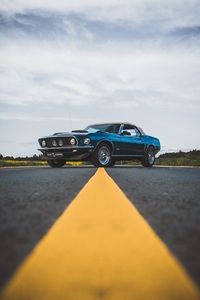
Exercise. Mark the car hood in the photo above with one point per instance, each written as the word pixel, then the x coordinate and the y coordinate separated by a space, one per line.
pixel 68 134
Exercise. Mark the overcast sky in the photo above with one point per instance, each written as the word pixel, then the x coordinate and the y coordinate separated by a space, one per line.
pixel 66 64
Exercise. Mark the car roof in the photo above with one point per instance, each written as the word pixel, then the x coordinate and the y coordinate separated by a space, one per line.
pixel 119 123
pixel 113 123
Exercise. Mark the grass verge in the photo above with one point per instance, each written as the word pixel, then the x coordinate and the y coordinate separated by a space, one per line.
pixel 22 163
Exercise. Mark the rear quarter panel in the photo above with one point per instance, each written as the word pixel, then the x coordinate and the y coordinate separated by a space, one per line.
pixel 152 141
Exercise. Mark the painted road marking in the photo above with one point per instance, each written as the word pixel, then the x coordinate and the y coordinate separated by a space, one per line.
pixel 101 248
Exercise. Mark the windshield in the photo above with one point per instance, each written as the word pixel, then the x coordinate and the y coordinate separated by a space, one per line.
pixel 111 128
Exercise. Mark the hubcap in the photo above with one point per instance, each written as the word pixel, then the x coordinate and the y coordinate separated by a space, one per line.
pixel 104 155
pixel 151 157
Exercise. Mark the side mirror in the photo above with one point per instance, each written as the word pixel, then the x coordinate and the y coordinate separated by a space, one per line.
pixel 126 133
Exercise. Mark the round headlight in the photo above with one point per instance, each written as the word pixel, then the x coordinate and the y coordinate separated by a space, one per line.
pixel 72 141
pixel 54 143
pixel 60 143
pixel 86 141
pixel 43 143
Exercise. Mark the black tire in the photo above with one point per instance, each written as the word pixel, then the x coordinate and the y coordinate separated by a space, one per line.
pixel 112 163
pixel 102 156
pixel 148 159
pixel 56 163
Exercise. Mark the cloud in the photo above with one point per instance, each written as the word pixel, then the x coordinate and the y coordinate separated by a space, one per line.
pixel 134 20
pixel 69 75
pixel 67 64
pixel 132 11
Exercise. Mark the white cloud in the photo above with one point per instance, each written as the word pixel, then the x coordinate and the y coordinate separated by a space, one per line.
pixel 36 74
pixel 177 12
pixel 85 76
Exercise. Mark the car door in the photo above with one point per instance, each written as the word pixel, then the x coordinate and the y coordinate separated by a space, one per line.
pixel 131 141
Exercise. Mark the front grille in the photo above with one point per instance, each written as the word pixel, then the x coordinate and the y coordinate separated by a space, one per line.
pixel 66 142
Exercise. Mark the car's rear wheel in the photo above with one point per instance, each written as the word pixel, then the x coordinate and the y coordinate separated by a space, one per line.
pixel 149 158
pixel 102 156
pixel 56 163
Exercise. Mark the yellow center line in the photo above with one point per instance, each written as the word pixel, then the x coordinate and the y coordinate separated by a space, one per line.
pixel 101 248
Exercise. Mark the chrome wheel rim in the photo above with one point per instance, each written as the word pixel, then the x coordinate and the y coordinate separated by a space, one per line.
pixel 151 157
pixel 104 155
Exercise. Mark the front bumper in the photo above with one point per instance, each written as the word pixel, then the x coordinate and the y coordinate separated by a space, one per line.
pixel 67 153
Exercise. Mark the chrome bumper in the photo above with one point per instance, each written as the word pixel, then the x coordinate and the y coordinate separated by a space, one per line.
pixel 68 152
pixel 66 148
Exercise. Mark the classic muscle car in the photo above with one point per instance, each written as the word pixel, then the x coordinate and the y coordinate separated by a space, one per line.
pixel 102 144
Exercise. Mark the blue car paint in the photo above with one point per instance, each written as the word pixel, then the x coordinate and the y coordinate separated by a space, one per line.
pixel 125 145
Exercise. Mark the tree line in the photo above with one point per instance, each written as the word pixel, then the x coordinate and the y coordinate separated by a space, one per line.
pixel 22 158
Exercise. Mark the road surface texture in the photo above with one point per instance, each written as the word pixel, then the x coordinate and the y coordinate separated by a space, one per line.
pixel 169 199
pixel 31 199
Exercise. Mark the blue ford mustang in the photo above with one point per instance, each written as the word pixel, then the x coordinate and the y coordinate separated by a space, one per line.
pixel 102 144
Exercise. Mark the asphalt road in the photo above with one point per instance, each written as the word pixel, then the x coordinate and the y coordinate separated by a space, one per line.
pixel 169 199
pixel 31 199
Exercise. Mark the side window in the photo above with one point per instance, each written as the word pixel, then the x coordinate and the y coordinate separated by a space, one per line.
pixel 132 132
pixel 131 129
pixel 113 128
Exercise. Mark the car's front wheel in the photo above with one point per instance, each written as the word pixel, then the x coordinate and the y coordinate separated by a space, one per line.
pixel 149 158
pixel 102 156
pixel 56 163
pixel 112 163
